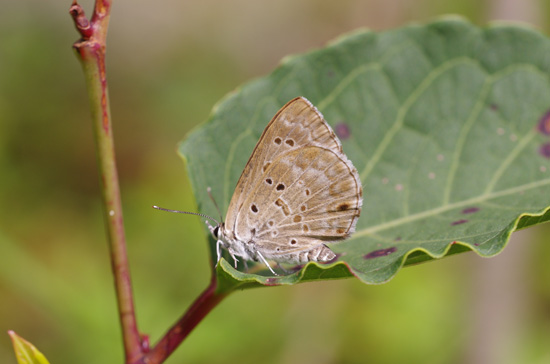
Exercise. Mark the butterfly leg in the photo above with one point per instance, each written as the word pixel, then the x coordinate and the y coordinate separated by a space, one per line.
pixel 219 244
pixel 265 262
pixel 235 260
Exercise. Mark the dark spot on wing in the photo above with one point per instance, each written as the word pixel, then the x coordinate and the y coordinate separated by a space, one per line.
pixel 283 206
pixel 277 141
pixel 343 207
pixel 289 142
pixel 280 187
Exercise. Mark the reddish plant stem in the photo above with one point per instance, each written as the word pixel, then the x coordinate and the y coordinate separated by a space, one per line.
pixel 177 333
pixel 90 50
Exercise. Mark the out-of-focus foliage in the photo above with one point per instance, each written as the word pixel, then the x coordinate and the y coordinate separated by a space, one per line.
pixel 167 66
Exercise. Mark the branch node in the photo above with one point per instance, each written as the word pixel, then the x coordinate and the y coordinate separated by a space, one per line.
pixel 81 23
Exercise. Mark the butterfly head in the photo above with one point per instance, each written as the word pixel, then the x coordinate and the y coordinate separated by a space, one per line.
pixel 217 231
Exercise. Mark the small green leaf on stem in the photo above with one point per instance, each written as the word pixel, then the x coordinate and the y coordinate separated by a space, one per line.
pixel 25 352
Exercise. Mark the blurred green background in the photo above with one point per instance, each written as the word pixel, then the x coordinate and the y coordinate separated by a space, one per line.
pixel 168 63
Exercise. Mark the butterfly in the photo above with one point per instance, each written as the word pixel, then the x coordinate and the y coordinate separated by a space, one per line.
pixel 297 192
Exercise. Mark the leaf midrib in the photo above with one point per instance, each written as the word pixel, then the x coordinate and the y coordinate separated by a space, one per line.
pixel 448 207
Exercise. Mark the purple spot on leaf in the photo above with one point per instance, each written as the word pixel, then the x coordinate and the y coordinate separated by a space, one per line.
pixel 380 253
pixel 470 210
pixel 544 124
pixel 271 282
pixel 342 130
pixel 545 150
pixel 458 222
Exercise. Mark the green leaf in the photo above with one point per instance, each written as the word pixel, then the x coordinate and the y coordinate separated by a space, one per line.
pixel 448 125
pixel 25 352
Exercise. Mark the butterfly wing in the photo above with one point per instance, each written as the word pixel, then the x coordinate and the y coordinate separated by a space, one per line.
pixel 316 199
pixel 296 124
pixel 298 189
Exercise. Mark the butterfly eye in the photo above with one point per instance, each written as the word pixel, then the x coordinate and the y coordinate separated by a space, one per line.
pixel 216 231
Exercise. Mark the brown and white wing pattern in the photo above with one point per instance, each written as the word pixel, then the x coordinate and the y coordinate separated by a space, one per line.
pixel 298 189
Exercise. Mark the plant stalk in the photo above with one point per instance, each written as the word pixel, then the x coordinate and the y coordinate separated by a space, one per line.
pixel 90 50
pixel 177 333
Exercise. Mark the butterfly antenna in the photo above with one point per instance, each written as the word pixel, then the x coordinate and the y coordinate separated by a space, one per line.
pixel 188 213
pixel 209 191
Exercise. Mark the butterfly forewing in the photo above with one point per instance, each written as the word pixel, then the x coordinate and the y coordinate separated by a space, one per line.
pixel 298 123
pixel 304 191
